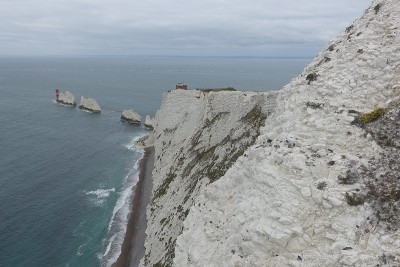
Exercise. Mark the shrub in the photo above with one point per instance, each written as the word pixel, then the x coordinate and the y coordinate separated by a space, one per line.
pixel 350 177
pixel 372 116
pixel 311 77
pixel 208 90
pixel 348 29
pixel 379 179
pixel 321 185
pixel 254 116
pixel 314 105
pixel 394 192
pixel 162 189
pixel 355 199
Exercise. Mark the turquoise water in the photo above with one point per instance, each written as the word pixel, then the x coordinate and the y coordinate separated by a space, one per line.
pixel 65 175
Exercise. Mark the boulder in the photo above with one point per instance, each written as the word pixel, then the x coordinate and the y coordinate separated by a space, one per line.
pixel 146 141
pixel 66 98
pixel 130 116
pixel 149 122
pixel 89 104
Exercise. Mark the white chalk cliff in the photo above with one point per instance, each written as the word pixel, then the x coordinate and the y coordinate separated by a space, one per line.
pixel 228 192
pixel 149 122
pixel 66 98
pixel 198 136
pixel 131 116
pixel 89 104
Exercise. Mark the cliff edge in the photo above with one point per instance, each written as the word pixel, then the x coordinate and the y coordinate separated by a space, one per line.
pixel 198 136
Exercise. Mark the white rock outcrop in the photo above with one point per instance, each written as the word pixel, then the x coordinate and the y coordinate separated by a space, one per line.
pixel 66 98
pixel 89 104
pixel 282 205
pixel 221 197
pixel 199 135
pixel 131 117
pixel 149 122
pixel 146 141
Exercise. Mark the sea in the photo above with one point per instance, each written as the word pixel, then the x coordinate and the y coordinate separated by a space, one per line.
pixel 67 176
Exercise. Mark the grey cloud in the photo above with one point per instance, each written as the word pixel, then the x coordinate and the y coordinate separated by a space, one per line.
pixel 238 27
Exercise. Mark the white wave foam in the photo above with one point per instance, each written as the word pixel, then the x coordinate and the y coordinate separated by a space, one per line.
pixel 101 193
pixel 98 197
pixel 85 110
pixel 109 245
pixel 62 104
pixel 132 144
pixel 78 252
pixel 119 219
pixel 76 232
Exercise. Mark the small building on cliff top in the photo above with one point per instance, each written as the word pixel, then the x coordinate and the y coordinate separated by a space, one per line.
pixel 181 86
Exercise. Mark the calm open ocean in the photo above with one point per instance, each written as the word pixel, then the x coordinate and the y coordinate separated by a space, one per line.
pixel 66 176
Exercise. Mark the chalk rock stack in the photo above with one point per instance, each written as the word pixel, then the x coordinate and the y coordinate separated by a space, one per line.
pixel 131 116
pixel 66 98
pixel 149 122
pixel 89 104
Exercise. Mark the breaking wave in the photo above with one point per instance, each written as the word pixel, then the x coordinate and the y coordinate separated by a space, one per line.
pixel 119 220
pixel 98 197
pixel 132 144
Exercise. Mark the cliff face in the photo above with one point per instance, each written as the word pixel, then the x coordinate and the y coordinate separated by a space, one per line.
pixel 286 203
pixel 298 194
pixel 199 135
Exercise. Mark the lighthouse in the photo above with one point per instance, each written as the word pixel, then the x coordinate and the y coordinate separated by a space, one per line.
pixel 57 93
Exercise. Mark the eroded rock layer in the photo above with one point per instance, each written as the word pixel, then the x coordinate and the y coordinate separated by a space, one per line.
pixel 199 135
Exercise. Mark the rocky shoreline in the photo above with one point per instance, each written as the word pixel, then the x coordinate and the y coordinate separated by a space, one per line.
pixel 133 246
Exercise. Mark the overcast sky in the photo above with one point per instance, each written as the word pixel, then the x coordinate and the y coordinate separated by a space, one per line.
pixel 173 27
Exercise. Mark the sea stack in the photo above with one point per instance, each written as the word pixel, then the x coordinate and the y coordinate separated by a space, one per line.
pixel 149 122
pixel 89 104
pixel 66 98
pixel 130 116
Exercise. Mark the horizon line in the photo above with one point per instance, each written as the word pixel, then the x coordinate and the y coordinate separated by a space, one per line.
pixel 159 56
